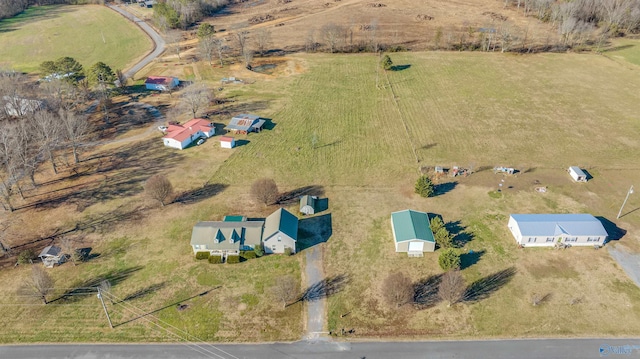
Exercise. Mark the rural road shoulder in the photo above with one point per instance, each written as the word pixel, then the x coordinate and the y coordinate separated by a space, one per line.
pixel 489 349
pixel 158 41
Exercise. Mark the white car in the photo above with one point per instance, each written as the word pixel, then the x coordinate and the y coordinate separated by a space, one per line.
pixel 162 128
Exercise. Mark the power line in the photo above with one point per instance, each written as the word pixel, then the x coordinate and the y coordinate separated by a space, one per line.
pixel 142 315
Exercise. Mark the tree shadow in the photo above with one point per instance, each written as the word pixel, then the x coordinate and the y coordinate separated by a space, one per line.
pixel 614 233
pixel 177 304
pixel 460 236
pixel 33 13
pixel 330 144
pixel 400 67
pixel 324 288
pixel 293 196
pixel 197 195
pixel 618 48
pixel 425 292
pixel 313 231
pixel 442 188
pixel 118 173
pixel 428 146
pixel 143 292
pixel 470 258
pixel 88 286
pixel 484 287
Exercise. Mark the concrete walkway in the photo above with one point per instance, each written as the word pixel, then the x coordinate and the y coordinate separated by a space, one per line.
pixel 315 308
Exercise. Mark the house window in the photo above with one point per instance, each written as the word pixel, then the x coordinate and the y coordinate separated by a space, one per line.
pixel 550 239
pixel 532 239
pixel 273 247
pixel 593 239
pixel 571 239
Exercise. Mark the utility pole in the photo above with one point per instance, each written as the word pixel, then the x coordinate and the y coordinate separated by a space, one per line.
pixel 630 191
pixel 104 307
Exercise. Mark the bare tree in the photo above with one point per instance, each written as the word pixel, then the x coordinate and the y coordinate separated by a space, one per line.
pixel 159 187
pixel 75 129
pixel 196 96
pixel 265 191
pixel 48 134
pixel 221 49
pixel 241 40
pixel 38 284
pixel 247 55
pixel 27 154
pixel 285 289
pixel 310 43
pixel 68 248
pixel 262 40
pixel 207 47
pixel 452 287
pixel 105 287
pixel 333 35
pixel 175 38
pixel 397 289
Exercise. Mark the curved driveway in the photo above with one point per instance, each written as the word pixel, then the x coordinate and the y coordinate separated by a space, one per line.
pixel 158 41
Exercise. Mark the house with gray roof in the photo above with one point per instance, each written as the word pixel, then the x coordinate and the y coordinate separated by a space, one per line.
pixel 245 123
pixel 280 232
pixel 412 233
pixel 236 233
pixel 227 237
pixel 52 255
pixel 545 230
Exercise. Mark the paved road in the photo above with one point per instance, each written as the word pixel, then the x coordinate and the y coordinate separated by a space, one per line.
pixel 499 349
pixel 158 41
pixel 315 308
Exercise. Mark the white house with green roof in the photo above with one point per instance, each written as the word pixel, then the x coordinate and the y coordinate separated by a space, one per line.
pixel 280 232
pixel 412 233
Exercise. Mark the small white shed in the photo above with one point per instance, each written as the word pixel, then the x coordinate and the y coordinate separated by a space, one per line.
pixel 227 142
pixel 577 174
pixel 308 204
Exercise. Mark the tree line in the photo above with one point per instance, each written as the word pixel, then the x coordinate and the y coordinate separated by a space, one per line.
pixel 180 14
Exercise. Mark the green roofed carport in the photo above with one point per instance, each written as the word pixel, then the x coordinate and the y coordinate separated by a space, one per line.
pixel 412 233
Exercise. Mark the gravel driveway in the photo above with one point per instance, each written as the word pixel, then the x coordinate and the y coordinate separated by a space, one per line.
pixel 630 262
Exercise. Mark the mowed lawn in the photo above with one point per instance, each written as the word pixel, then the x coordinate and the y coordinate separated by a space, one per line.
pixel 88 33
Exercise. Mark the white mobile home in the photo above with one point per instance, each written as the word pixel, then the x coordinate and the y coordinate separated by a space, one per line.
pixel 545 230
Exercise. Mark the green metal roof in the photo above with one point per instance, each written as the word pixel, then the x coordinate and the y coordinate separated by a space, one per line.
pixel 234 218
pixel 409 224
pixel 283 221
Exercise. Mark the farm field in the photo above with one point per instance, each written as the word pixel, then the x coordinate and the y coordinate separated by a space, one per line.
pixel 362 146
pixel 88 33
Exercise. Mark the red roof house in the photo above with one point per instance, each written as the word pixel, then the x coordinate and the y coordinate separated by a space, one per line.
pixel 181 136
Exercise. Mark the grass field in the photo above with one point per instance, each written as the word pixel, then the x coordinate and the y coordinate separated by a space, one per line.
pixel 333 128
pixel 88 33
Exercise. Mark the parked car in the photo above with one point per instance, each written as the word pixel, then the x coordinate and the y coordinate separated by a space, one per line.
pixel 200 141
pixel 162 128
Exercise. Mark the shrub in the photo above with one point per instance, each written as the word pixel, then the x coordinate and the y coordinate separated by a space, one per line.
pixel 288 251
pixel 202 255
pixel 449 259
pixel 258 250
pixel 248 254
pixel 443 238
pixel 215 259
pixel 387 64
pixel 233 259
pixel 26 256
pixel 436 223
pixel 424 187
